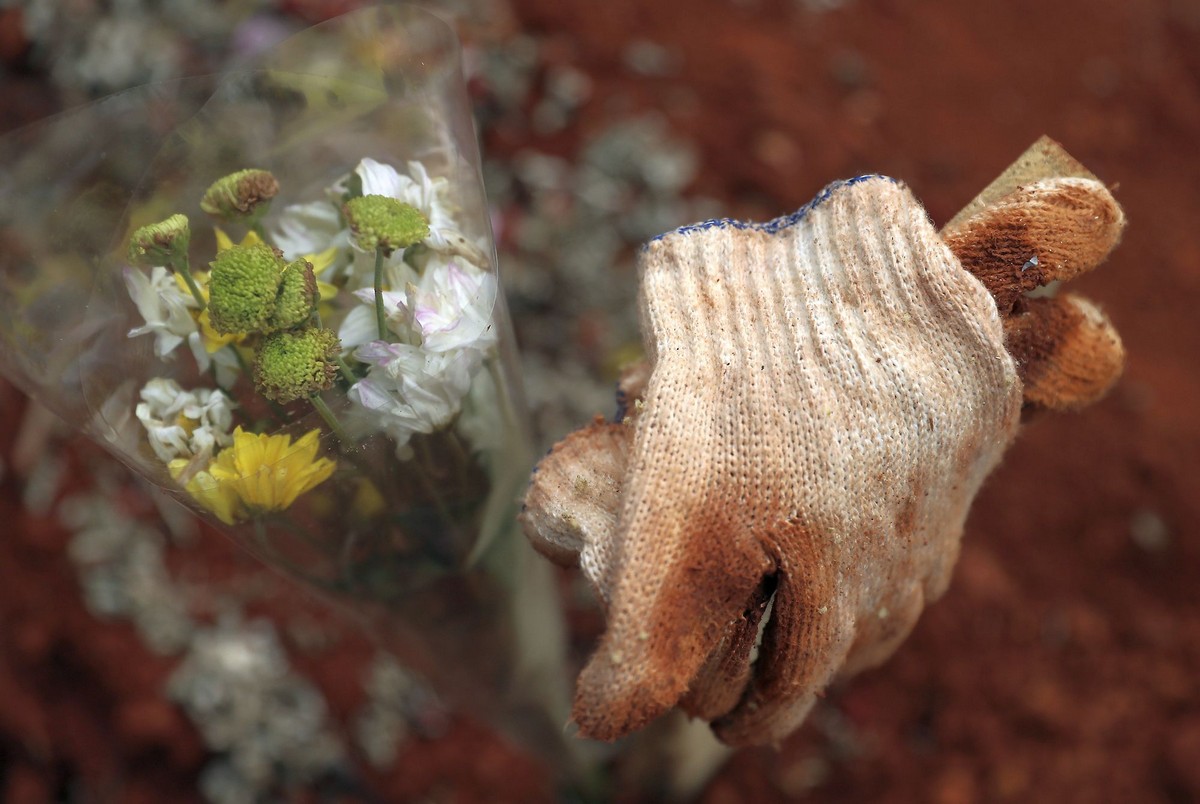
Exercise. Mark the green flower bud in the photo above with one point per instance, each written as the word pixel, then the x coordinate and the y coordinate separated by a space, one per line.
pixel 243 288
pixel 383 223
pixel 160 243
pixel 295 364
pixel 243 195
pixel 297 296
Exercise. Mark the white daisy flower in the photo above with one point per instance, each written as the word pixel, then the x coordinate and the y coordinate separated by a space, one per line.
pixel 411 390
pixel 361 325
pixel 163 305
pixel 431 196
pixel 452 307
pixel 315 227
pixel 448 307
pixel 184 424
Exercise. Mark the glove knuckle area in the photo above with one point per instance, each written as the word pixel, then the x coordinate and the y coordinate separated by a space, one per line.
pixel 1069 224
pixel 882 627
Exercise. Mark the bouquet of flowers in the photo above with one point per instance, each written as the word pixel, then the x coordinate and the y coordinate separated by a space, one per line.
pixel 276 297
pixel 372 296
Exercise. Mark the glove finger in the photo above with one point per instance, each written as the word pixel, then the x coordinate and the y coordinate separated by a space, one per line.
pixel 719 685
pixel 667 615
pixel 809 633
pixel 575 491
pixel 684 568
pixel 575 494
pixel 1068 353
pixel 1050 230
pixel 572 503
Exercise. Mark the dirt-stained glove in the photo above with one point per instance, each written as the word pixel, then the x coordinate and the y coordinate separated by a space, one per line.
pixel 823 396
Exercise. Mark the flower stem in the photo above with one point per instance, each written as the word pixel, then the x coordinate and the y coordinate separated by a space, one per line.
pixel 330 419
pixel 347 372
pixel 380 313
pixel 185 271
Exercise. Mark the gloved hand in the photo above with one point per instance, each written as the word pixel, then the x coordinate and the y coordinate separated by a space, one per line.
pixel 823 396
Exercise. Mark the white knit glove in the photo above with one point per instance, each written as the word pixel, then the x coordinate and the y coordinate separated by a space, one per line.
pixel 824 395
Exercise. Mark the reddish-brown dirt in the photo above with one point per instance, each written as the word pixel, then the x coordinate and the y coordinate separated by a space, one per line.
pixel 1064 663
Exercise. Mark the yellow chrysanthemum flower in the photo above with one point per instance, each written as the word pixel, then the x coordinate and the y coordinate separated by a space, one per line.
pixel 219 498
pixel 257 474
pixel 269 472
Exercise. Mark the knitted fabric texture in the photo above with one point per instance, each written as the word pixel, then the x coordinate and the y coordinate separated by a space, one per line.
pixel 827 393
pixel 1049 230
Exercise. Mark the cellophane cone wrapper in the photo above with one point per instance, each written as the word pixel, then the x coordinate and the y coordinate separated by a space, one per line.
pixel 387 482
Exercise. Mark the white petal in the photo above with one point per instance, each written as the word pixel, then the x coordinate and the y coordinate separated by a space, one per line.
pixel 165 343
pixel 199 352
pixel 306 229
pixel 380 179
pixel 160 393
pixel 358 327
pixel 370 395
pixel 376 352
pixel 228 367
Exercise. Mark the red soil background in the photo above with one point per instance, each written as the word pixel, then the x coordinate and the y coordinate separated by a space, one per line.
pixel 1064 662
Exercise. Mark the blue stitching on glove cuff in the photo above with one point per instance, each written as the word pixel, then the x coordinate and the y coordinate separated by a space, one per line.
pixel 777 224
